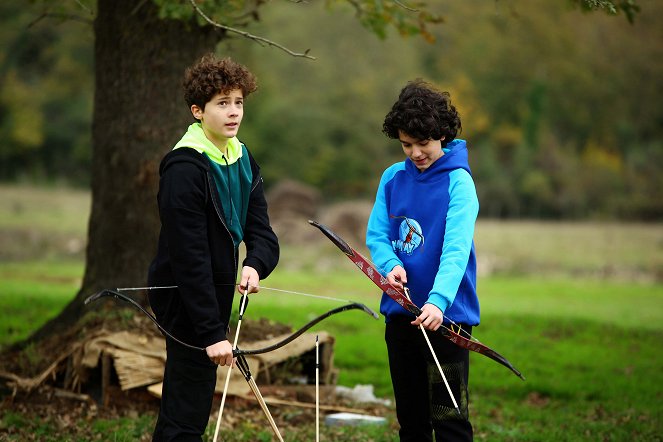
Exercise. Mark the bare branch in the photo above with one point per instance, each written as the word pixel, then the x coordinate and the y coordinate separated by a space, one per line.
pixel 64 16
pixel 73 17
pixel 258 39
pixel 89 11
pixel 405 6
pixel 138 6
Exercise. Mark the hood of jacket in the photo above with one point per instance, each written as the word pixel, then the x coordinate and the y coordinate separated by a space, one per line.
pixel 195 138
pixel 455 157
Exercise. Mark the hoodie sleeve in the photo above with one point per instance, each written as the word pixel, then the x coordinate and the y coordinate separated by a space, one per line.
pixel 377 231
pixel 182 200
pixel 458 237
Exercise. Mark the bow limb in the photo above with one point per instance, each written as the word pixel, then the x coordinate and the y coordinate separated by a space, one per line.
pixel 116 294
pixel 237 352
pixel 478 347
pixel 295 335
pixel 398 296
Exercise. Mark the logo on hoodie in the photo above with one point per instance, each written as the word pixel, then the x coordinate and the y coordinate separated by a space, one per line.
pixel 410 236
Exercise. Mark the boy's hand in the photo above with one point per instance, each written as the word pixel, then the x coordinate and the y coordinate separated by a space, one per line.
pixel 249 280
pixel 397 277
pixel 221 353
pixel 430 318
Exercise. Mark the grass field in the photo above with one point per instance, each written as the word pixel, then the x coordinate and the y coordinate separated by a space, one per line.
pixel 577 307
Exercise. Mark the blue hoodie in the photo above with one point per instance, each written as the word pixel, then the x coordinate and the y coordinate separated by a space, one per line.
pixel 424 222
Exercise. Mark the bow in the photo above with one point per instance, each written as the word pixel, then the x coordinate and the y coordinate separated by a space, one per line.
pixel 397 295
pixel 116 293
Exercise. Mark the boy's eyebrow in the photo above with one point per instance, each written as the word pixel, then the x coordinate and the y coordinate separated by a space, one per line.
pixel 228 98
pixel 227 95
pixel 414 141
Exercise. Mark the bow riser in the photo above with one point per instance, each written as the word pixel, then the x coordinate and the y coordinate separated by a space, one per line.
pixel 379 280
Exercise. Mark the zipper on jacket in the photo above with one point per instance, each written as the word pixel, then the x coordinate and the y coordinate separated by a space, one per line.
pixel 230 195
pixel 210 180
pixel 258 181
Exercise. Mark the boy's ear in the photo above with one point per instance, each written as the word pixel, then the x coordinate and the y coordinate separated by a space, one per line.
pixel 197 112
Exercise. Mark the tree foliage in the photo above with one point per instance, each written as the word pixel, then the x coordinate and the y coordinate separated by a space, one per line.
pixel 561 108
pixel 45 96
pixel 629 7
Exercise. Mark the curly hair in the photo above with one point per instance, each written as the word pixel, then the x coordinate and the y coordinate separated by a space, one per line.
pixel 424 113
pixel 211 76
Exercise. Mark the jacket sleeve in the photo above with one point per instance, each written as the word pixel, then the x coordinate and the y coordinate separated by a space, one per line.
pixel 458 235
pixel 262 246
pixel 182 201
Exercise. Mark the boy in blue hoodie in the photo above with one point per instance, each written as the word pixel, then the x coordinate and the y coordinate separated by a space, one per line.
pixel 420 236
pixel 210 201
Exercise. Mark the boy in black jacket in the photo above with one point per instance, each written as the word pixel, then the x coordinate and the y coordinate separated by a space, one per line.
pixel 210 200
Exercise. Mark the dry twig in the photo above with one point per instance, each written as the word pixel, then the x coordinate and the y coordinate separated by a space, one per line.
pixel 256 38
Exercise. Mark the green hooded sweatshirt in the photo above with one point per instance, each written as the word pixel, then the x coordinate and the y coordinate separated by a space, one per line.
pixel 232 176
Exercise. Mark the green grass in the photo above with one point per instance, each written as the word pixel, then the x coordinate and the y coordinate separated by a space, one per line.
pixel 624 304
pixel 584 382
pixel 592 363
pixel 59 430
pixel 31 293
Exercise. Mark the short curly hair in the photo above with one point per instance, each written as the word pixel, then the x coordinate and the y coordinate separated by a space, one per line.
pixel 424 113
pixel 211 76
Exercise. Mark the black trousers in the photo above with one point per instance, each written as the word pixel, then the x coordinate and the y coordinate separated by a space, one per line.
pixel 423 404
pixel 188 390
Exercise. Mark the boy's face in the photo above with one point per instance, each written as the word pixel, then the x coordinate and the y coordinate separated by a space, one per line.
pixel 221 117
pixel 423 153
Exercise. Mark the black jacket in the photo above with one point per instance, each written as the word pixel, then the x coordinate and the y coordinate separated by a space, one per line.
pixel 196 251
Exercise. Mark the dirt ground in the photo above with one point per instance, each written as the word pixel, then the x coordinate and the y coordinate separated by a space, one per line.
pixel 73 418
pixel 49 402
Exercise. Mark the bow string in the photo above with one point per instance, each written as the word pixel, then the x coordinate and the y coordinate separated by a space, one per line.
pixel 116 293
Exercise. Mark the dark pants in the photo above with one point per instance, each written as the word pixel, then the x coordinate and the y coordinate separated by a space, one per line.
pixel 423 404
pixel 188 390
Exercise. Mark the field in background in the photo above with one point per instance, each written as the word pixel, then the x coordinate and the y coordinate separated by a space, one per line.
pixel 577 307
pixel 51 224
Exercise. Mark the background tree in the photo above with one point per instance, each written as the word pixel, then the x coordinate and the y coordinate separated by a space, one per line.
pixel 45 90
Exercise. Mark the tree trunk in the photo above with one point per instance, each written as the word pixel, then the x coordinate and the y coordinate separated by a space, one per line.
pixel 139 114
